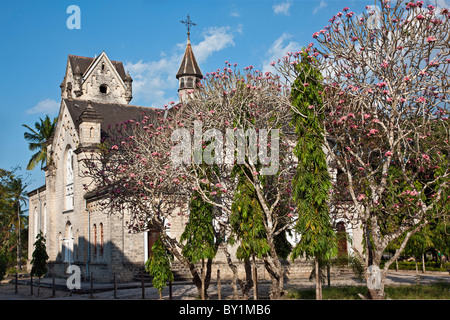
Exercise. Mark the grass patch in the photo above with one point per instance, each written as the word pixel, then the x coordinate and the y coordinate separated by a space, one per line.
pixel 439 290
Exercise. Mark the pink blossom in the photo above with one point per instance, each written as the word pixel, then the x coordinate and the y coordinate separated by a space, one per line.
pixel 373 131
pixel 310 107
pixel 431 39
pixel 420 17
pixel 420 99
pixel 388 153
pixel 114 147
pixel 361 197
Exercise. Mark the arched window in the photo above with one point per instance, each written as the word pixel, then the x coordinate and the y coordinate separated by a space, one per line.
pixel 181 83
pixel 342 239
pixel 45 220
pixel 190 82
pixel 101 238
pixel 69 179
pixel 36 221
pixel 95 239
pixel 68 243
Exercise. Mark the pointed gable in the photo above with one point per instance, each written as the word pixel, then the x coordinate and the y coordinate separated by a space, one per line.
pixel 85 63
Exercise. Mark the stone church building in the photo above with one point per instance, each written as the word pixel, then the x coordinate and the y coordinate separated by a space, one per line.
pixel 95 93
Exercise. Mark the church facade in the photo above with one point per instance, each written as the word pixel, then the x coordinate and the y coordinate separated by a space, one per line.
pixel 95 93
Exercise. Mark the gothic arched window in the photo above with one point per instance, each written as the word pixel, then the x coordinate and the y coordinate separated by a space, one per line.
pixel 190 82
pixel 69 179
pixel 95 239
pixel 101 238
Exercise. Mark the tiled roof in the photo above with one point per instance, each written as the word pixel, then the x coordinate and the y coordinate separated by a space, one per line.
pixel 110 113
pixel 83 63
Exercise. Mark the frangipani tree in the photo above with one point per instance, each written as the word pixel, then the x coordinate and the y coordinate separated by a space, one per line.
pixel 150 168
pixel 386 106
pixel 131 173
pixel 239 120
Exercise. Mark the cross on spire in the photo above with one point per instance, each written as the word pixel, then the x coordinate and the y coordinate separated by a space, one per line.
pixel 188 22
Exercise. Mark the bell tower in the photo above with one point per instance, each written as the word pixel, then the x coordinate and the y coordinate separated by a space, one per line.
pixel 189 73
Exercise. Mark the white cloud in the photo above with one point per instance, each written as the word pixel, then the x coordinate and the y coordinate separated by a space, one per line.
pixel 278 50
pixel 282 8
pixel 215 39
pixel 321 5
pixel 154 82
pixel 46 106
pixel 235 14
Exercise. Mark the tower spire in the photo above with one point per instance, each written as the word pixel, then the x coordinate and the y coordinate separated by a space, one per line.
pixel 189 74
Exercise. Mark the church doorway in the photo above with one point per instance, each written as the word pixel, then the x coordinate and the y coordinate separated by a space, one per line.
pixel 152 236
pixel 68 243
pixel 342 239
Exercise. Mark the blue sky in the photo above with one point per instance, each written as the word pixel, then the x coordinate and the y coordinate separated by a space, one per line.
pixel 148 38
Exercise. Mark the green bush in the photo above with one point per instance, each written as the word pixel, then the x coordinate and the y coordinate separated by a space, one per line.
pixel 411 265
pixel 3 262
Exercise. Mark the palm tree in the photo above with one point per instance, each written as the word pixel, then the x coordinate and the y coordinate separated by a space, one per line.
pixel 37 140
pixel 14 195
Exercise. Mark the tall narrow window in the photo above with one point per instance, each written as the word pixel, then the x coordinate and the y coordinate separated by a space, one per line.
pixel 190 83
pixel 69 179
pixel 45 220
pixel 342 239
pixel 95 239
pixel 101 238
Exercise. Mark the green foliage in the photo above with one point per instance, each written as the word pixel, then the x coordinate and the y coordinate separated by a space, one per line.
pixel 40 257
pixel 12 219
pixel 159 265
pixel 37 139
pixel 247 219
pixel 2 265
pixel 312 182
pixel 198 235
pixel 437 290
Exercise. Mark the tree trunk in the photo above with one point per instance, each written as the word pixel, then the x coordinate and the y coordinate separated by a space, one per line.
pixel 423 262
pixel 234 270
pixel 248 279
pixel 203 280
pixel 255 280
pixel 19 262
pixel 275 270
pixel 375 279
pixel 171 245
pixel 318 280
